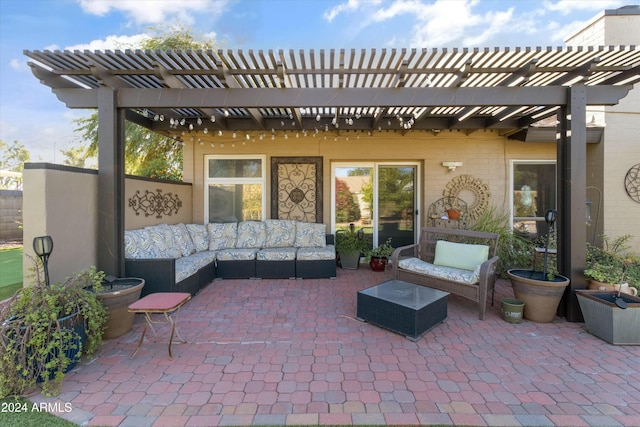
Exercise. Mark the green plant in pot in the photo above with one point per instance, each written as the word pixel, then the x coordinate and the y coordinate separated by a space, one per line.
pixel 378 258
pixel 613 267
pixel 349 245
pixel 540 291
pixel 45 330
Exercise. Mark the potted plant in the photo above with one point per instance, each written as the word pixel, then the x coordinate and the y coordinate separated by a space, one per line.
pixel 541 291
pixel 612 267
pixel 117 295
pixel 45 330
pixel 349 245
pixel 378 258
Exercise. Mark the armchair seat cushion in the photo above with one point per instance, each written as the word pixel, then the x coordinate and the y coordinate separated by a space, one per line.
pixel 442 272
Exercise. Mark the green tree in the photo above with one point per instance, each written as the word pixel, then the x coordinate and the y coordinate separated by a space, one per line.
pixel 146 153
pixel 12 159
pixel 347 208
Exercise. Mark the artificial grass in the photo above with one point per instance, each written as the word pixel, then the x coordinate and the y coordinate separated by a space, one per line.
pixel 18 412
pixel 10 272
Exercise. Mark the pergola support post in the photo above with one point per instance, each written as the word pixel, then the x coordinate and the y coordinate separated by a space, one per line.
pixel 110 242
pixel 571 190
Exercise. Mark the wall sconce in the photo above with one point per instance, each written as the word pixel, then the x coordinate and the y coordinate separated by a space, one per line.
pixel 452 165
pixel 43 246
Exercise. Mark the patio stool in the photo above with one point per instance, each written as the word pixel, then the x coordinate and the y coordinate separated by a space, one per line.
pixel 167 303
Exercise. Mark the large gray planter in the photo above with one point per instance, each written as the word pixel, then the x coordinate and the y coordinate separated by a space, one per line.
pixel 606 320
pixel 350 260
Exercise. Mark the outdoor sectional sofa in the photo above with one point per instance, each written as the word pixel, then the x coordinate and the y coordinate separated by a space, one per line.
pixel 186 257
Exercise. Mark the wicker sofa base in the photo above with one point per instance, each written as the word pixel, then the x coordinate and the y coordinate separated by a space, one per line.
pixel 275 269
pixel 159 276
pixel 316 269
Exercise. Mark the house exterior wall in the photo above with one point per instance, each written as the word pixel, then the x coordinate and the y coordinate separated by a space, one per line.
pixel 486 155
pixel 620 148
pixel 62 202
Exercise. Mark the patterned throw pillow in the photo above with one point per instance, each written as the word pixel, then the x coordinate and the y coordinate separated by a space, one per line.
pixel 310 235
pixel 182 239
pixel 137 244
pixel 162 245
pixel 251 235
pixel 281 233
pixel 199 236
pixel 222 235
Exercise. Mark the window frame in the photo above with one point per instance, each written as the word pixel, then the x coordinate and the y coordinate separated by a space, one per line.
pixel 513 164
pixel 208 181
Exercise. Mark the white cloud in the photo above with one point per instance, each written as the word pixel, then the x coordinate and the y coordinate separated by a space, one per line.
pixel 154 11
pixel 18 65
pixel 565 7
pixel 349 6
pixel 112 43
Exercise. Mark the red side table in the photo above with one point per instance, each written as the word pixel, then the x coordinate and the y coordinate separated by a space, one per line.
pixel 167 303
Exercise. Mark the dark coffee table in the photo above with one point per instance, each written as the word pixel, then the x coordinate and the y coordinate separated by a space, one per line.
pixel 402 307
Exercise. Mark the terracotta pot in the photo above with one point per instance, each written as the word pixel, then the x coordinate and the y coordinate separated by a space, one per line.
pixel 453 213
pixel 541 297
pixel 125 292
pixel 378 263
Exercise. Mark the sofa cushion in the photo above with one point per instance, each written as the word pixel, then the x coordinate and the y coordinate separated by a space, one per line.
pixel 310 235
pixel 222 235
pixel 251 235
pixel 204 258
pixel 182 239
pixel 137 244
pixel 312 254
pixel 236 254
pixel 162 242
pixel 199 236
pixel 276 254
pixel 186 267
pixel 281 233
pixel 460 255
pixel 448 273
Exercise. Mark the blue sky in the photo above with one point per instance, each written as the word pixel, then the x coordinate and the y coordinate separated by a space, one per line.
pixel 31 114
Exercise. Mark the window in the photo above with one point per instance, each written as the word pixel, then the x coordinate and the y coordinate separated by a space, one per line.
pixel 533 193
pixel 234 188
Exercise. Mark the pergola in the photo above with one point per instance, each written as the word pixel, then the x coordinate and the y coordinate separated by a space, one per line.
pixel 171 92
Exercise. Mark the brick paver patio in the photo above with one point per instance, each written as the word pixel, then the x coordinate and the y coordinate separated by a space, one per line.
pixel 285 352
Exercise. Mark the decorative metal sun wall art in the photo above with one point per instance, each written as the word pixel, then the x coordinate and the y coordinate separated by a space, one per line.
pixel 632 183
pixel 467 183
pixel 157 203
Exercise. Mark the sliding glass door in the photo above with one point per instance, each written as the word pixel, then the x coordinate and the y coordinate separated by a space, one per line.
pixel 380 198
